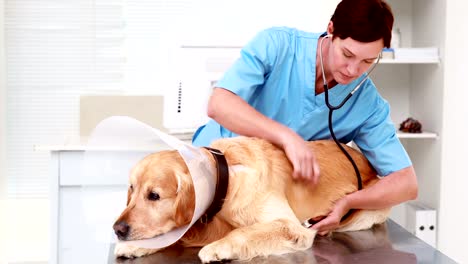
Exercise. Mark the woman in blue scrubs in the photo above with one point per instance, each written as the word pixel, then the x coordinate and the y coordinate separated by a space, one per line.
pixel 275 91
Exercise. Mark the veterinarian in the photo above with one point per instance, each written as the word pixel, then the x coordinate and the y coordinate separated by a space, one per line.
pixel 275 91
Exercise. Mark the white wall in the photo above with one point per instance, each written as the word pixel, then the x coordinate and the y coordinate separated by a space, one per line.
pixel 454 181
pixel 235 22
pixel 3 180
pixel 151 31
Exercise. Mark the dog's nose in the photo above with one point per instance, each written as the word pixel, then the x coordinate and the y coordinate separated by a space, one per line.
pixel 121 229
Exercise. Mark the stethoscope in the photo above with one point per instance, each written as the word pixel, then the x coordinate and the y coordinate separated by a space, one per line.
pixel 325 83
pixel 331 108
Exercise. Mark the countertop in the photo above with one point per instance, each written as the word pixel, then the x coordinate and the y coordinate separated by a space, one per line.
pixel 385 243
pixel 81 143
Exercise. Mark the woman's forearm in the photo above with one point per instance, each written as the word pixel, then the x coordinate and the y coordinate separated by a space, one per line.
pixel 393 189
pixel 233 113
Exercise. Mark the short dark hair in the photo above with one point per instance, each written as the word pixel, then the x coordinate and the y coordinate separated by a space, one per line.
pixel 363 20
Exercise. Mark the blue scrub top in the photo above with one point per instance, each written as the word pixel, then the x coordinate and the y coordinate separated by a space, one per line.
pixel 276 75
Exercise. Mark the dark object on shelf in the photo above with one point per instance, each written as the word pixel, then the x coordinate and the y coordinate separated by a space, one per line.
pixel 411 125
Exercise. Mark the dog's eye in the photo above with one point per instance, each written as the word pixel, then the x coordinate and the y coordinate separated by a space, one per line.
pixel 153 196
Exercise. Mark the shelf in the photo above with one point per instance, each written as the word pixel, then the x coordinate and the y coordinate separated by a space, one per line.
pixel 423 55
pixel 411 61
pixel 417 135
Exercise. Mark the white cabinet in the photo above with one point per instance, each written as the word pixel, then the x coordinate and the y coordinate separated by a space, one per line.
pixel 73 238
pixel 76 240
pixel 88 191
pixel 84 205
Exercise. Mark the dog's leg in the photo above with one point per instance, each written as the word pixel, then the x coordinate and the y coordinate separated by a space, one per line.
pixel 261 239
pixel 123 250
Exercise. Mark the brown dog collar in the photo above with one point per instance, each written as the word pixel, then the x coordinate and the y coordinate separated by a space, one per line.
pixel 222 182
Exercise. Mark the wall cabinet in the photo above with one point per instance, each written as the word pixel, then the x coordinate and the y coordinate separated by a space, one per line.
pixel 414 88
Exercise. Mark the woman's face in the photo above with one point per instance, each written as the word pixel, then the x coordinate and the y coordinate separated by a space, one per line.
pixel 349 59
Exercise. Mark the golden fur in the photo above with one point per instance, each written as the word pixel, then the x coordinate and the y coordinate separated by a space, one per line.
pixel 264 206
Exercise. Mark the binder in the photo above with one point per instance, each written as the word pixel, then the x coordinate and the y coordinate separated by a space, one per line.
pixel 421 221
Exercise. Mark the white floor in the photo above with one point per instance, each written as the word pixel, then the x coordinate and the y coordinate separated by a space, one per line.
pixel 24 225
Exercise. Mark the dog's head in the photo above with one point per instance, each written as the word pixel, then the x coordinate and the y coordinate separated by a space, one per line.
pixel 160 197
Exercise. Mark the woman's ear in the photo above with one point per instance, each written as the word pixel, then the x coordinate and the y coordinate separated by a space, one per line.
pixel 330 28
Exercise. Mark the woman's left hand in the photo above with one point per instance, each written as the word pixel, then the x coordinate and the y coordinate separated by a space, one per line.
pixel 332 221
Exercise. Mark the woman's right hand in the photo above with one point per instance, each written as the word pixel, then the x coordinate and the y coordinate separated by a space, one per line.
pixel 302 158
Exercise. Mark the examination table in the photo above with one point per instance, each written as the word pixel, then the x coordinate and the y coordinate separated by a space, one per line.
pixel 385 243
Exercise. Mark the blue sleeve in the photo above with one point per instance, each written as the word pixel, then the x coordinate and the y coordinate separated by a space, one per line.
pixel 378 141
pixel 249 71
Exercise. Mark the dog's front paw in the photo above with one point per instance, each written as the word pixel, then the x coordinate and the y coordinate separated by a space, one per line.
pixel 218 251
pixel 123 250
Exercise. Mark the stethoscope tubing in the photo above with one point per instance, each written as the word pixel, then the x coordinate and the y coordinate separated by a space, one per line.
pixel 310 222
pixel 336 107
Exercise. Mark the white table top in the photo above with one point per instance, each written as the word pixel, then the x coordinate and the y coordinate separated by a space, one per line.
pixel 80 144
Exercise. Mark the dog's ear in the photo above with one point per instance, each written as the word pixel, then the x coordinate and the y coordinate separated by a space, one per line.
pixel 129 195
pixel 185 202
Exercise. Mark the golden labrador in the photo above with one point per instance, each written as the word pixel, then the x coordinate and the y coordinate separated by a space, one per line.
pixel 263 209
